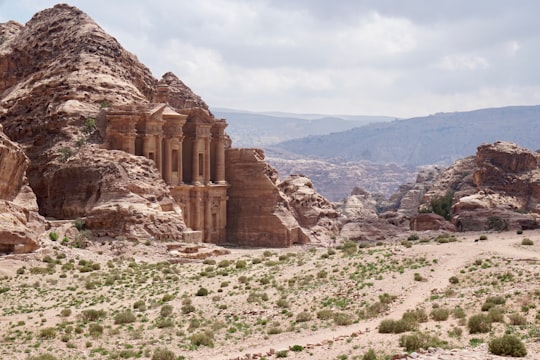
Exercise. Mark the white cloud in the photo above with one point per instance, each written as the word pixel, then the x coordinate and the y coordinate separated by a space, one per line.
pixel 463 62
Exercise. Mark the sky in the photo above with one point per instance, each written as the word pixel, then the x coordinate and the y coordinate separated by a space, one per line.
pixel 400 58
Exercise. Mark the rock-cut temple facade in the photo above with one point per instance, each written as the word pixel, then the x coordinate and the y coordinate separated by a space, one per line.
pixel 188 147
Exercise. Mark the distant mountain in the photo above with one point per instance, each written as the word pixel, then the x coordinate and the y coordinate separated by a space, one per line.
pixel 436 139
pixel 254 129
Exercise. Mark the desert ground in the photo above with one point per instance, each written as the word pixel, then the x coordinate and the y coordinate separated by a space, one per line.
pixel 121 299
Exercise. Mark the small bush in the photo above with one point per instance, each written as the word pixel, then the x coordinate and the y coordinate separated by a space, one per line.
pixel 303 317
pixel 166 310
pixel 342 319
pixel 482 237
pixel 497 223
pixel 370 355
pixel 163 354
pixel 297 348
pixel 496 314
pixel 202 339
pixel 417 341
pixel 527 241
pixel 53 236
pixel 282 354
pixel 507 345
pixel 241 264
pixel 202 292
pixel 440 314
pixel 517 319
pixel 453 280
pixel 325 314
pixel 389 326
pixel 43 357
pixel 497 300
pixel 95 330
pixel 417 315
pixel 418 277
pixel 459 313
pixel 47 333
pixel 282 303
pixel 92 315
pixel 413 237
pixel 124 317
pixel 139 305
pixel 406 243
pixel 479 324
pixel 65 312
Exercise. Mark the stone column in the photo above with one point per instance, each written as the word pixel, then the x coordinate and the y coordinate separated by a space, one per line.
pixel 207 217
pixel 207 161
pixel 145 146
pixel 196 178
pixel 129 144
pixel 159 164
pixel 180 162
pixel 220 160
pixel 167 170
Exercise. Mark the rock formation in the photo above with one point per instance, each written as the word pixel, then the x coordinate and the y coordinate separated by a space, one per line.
pixel 134 156
pixel 497 189
pixel 259 213
pixel 315 214
pixel 20 222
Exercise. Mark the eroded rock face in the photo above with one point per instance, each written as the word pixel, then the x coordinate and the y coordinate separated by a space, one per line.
pixel 314 213
pixel 20 224
pixel 423 222
pixel 117 193
pixel 496 189
pixel 258 214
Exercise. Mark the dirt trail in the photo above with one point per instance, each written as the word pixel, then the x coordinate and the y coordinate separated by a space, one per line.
pixel 451 258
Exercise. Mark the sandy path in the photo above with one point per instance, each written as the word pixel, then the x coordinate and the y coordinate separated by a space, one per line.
pixel 451 258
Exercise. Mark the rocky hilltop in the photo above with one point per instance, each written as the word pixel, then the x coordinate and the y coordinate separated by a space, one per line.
pixel 104 140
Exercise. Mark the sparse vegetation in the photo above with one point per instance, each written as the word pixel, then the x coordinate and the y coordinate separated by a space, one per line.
pixel 507 345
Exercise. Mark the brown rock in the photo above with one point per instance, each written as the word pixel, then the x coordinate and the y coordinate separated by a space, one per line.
pixel 19 222
pixel 258 213
pixel 423 222
pixel 119 195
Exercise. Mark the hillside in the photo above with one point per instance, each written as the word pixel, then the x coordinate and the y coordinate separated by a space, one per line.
pixel 435 139
pixel 257 129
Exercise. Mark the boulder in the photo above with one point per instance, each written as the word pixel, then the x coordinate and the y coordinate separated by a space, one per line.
pixel 429 221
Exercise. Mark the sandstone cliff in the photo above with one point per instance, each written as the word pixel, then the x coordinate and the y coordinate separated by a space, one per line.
pixel 20 222
pixel 61 78
pixel 497 189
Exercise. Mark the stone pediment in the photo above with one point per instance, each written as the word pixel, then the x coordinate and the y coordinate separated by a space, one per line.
pixel 198 116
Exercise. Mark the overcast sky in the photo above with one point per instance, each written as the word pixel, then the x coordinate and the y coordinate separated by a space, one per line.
pixel 399 58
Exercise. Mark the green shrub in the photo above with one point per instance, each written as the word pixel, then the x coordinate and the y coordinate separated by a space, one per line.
pixel 79 224
pixel 413 237
pixel 53 236
pixel 349 248
pixel 507 345
pixel 303 317
pixel 519 232
pixel 517 319
pixel 43 357
pixel 325 314
pixel 282 303
pixel 282 354
pixel 406 243
pixel 125 317
pixel 297 348
pixel 497 300
pixel 527 241
pixel 342 319
pixel 482 237
pixel 65 312
pixel 389 326
pixel 92 315
pixel 419 277
pixel 417 315
pixel 202 339
pixel 370 355
pixel 166 310
pixel 47 333
pixel 453 280
pixel 479 324
pixel 163 354
pixel 139 305
pixel 496 314
pixel 440 314
pixel 417 341
pixel 442 205
pixel 497 223
pixel 202 292
pixel 95 330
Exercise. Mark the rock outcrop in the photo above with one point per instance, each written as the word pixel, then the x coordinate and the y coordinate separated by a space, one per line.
pixel 258 213
pixel 20 222
pixel 315 214
pixel 497 189
pixel 423 222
